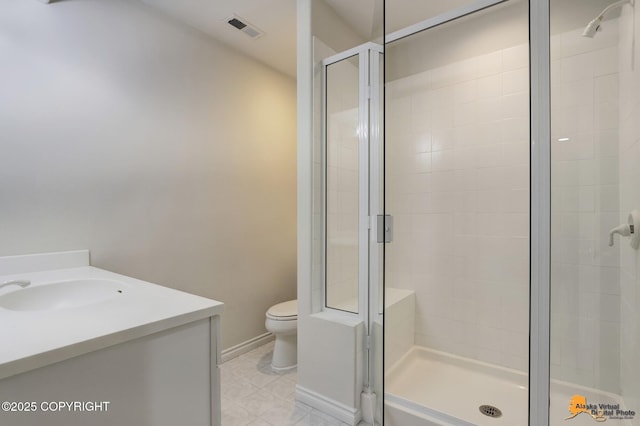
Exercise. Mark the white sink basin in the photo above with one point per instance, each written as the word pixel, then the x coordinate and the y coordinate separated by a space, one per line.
pixel 62 295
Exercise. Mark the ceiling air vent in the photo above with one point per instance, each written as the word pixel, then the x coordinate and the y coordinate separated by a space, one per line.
pixel 244 26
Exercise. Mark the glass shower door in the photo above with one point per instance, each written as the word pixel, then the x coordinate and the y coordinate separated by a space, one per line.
pixel 343 179
pixel 457 184
pixel 594 266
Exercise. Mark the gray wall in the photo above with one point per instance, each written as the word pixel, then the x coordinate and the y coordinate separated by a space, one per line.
pixel 169 156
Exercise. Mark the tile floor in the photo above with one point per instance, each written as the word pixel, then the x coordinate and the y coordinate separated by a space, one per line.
pixel 252 394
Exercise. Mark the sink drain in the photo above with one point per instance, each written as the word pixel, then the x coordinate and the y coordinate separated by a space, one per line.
pixel 490 410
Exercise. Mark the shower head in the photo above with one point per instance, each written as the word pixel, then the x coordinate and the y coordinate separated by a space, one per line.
pixel 593 26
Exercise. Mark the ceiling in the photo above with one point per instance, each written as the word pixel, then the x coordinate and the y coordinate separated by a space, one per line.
pixel 277 19
pixel 359 14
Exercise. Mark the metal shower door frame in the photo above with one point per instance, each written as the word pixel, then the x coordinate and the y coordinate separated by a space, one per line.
pixel 369 188
pixel 540 191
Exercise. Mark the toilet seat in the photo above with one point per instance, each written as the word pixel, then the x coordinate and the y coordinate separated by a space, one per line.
pixel 285 311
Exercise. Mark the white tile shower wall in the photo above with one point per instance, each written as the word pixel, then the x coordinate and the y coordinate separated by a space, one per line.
pixel 629 54
pixel 585 292
pixel 458 186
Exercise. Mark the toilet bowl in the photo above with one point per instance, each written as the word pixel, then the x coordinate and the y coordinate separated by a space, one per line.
pixel 282 321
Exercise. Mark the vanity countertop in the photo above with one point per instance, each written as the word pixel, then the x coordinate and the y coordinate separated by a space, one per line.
pixel 35 338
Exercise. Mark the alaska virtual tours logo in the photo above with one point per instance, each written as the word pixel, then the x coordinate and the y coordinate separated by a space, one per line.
pixel 599 412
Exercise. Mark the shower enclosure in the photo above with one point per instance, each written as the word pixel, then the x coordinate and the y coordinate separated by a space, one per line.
pixel 457 182
pixel 495 216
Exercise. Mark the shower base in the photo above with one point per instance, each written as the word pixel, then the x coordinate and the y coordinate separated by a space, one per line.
pixel 431 388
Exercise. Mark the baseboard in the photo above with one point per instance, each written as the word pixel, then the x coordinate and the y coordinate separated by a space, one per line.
pixel 344 413
pixel 245 347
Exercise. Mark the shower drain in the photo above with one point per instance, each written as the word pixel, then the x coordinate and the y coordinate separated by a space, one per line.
pixel 490 410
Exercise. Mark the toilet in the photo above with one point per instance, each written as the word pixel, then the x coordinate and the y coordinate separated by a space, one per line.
pixel 282 321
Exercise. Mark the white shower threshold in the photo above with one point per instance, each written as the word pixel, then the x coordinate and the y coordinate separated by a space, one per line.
pixel 431 388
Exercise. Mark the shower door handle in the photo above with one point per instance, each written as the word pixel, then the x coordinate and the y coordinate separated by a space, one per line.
pixel 384 228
